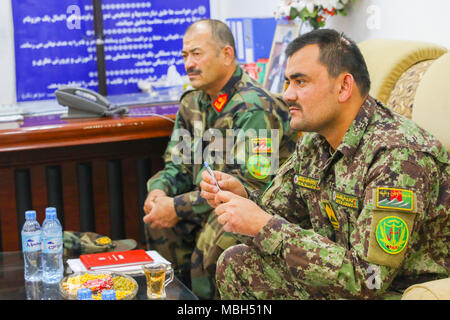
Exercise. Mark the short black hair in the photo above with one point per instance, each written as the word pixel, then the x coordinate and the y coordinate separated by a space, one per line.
pixel 220 33
pixel 338 53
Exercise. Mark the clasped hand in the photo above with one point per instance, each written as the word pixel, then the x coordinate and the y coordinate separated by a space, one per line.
pixel 160 210
pixel 236 213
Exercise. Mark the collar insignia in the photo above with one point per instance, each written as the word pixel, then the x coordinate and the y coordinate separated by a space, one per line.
pixel 220 102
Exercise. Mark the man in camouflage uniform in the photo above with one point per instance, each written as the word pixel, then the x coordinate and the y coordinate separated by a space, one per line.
pixel 183 227
pixel 361 209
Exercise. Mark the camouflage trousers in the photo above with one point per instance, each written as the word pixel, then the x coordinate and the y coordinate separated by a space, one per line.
pixel 244 273
pixel 193 249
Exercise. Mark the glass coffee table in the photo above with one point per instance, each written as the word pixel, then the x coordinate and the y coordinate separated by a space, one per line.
pixel 14 287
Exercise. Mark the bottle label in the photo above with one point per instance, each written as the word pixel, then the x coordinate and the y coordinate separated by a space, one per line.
pixel 51 245
pixel 31 243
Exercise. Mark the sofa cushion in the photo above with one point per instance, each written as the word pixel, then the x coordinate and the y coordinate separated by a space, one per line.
pixel 402 96
pixel 388 59
pixel 432 101
pixel 431 290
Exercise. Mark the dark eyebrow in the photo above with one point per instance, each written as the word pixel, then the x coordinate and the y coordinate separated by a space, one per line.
pixel 191 50
pixel 295 76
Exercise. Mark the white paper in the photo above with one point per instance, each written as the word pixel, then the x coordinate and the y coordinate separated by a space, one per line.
pixel 42 107
pixel 9 118
pixel 77 266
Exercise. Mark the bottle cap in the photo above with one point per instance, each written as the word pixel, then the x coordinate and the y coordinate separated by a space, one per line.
pixel 50 212
pixel 30 214
pixel 84 294
pixel 108 295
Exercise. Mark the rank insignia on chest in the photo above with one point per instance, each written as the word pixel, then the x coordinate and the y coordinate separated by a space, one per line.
pixel 220 102
pixel 398 199
pixel 392 234
pixel 306 182
pixel 331 215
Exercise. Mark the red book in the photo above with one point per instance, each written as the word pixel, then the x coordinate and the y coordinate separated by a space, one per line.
pixel 105 260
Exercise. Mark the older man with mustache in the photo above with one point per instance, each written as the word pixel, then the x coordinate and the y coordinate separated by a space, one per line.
pixel 183 227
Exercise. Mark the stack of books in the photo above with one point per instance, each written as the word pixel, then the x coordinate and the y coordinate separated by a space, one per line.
pixel 130 261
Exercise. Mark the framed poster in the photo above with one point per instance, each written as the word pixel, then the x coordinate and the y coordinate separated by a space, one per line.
pixel 284 34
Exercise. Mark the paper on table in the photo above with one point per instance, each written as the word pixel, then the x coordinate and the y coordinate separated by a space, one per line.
pixel 77 266
pixel 7 118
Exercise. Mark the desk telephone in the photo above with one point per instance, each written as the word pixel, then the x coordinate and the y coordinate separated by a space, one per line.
pixel 85 103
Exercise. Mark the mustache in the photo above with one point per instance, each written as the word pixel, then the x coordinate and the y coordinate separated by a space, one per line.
pixel 194 71
pixel 294 104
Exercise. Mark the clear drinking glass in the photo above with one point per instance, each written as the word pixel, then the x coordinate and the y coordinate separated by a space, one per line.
pixel 158 276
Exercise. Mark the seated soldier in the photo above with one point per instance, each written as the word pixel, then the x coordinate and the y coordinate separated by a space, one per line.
pixel 225 101
pixel 361 209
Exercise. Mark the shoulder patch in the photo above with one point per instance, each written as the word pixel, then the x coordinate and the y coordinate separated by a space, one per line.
pixel 258 166
pixel 395 199
pixel 261 145
pixel 389 236
pixel 392 234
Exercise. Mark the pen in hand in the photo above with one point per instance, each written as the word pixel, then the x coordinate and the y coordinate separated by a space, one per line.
pixel 212 174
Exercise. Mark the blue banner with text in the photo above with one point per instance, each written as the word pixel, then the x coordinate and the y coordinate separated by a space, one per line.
pixel 55 43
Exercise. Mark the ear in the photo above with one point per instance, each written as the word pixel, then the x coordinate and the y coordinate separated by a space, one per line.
pixel 228 53
pixel 346 83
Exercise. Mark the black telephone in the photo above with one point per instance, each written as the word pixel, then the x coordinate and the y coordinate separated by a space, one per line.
pixel 85 103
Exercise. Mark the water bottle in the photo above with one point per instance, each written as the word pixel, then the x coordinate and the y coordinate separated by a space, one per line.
pixel 31 246
pixel 52 247
pixel 33 290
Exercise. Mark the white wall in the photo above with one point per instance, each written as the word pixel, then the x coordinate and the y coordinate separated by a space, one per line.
pixel 421 20
pixel 223 9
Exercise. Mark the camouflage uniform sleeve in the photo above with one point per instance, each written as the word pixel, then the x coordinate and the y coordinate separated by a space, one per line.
pixel 256 153
pixel 320 265
pixel 176 177
pixel 191 204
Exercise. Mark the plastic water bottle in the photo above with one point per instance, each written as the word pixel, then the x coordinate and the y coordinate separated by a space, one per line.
pixel 52 247
pixel 31 246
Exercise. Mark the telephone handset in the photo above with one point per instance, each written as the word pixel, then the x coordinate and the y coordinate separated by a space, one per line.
pixel 85 103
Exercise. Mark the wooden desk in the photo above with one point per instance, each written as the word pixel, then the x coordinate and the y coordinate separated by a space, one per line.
pixel 93 171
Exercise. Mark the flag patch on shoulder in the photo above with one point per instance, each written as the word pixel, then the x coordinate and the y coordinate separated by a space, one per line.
pixel 398 199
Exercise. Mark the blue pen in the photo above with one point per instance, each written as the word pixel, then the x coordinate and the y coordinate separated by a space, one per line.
pixel 211 173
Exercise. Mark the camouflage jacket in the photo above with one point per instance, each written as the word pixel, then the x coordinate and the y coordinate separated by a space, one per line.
pixel 373 216
pixel 206 127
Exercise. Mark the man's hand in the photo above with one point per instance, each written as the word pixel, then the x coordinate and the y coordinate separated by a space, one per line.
pixel 151 197
pixel 226 183
pixel 240 215
pixel 162 214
